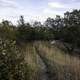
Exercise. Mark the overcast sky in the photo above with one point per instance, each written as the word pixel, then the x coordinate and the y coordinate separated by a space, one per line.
pixel 35 9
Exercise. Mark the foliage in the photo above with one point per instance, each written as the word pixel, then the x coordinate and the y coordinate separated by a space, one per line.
pixel 66 29
pixel 12 66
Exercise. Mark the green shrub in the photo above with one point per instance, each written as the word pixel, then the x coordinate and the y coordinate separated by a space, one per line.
pixel 12 66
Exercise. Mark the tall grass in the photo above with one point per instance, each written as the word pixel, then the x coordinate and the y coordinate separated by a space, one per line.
pixel 34 62
pixel 66 67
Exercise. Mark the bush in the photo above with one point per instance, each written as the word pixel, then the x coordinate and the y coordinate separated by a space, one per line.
pixel 12 66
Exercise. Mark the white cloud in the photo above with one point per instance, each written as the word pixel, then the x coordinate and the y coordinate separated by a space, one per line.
pixel 59 7
pixel 52 13
pixel 12 9
pixel 55 5
pixel 8 3
pixel 47 11
pixel 71 4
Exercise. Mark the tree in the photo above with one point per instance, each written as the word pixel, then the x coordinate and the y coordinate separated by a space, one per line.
pixel 49 22
pixel 70 33
pixel 21 21
pixel 7 30
pixel 24 31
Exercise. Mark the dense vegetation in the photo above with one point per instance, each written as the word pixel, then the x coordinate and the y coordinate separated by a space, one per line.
pixel 12 64
pixel 65 29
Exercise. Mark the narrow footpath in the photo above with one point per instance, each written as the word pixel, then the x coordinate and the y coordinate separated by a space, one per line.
pixel 44 74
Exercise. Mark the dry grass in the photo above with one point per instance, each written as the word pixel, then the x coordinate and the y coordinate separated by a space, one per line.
pixel 64 66
pixel 33 62
pixel 30 59
pixel 67 67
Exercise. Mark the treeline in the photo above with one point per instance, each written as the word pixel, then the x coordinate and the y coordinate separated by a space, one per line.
pixel 65 29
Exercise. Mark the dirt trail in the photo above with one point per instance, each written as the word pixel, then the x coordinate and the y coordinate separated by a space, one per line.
pixel 44 75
